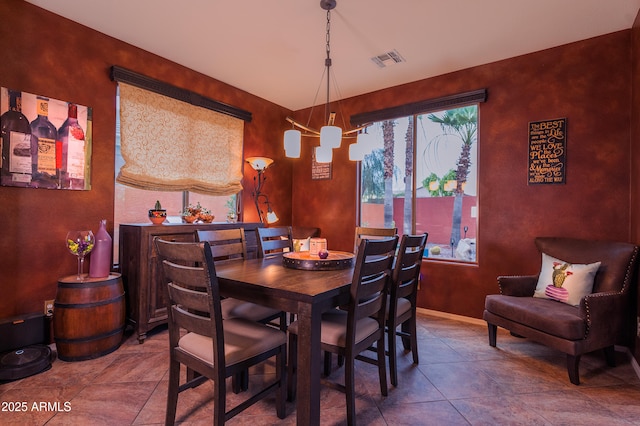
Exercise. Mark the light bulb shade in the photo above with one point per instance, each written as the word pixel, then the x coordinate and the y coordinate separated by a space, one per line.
pixel 259 163
pixel 272 217
pixel 365 140
pixel 324 154
pixel 356 152
pixel 433 185
pixel 330 136
pixel 292 142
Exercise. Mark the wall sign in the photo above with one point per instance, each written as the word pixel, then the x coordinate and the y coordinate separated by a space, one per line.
pixel 46 143
pixel 319 170
pixel 547 151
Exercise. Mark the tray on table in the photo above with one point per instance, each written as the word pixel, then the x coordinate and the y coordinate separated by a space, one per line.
pixel 304 260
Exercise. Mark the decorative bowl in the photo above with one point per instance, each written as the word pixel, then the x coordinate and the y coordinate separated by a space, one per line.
pixel 157 217
pixel 206 218
pixel 189 219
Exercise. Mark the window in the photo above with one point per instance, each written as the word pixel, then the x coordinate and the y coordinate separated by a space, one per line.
pixel 436 153
pixel 132 204
pixel 174 146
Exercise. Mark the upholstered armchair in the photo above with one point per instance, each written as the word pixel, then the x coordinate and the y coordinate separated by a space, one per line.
pixel 540 308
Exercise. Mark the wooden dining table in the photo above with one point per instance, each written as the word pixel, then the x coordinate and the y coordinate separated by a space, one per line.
pixel 307 293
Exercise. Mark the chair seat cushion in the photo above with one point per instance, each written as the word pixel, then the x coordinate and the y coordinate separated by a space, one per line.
pixel 236 308
pixel 243 339
pixel 334 328
pixel 549 316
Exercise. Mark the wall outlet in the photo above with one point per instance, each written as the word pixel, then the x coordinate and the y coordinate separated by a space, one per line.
pixel 48 307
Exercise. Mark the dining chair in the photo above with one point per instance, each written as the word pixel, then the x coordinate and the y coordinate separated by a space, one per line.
pixel 205 343
pixel 372 234
pixel 274 241
pixel 229 245
pixel 352 331
pixel 362 232
pixel 401 304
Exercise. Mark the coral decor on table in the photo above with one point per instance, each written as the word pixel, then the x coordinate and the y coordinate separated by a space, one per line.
pixel 197 213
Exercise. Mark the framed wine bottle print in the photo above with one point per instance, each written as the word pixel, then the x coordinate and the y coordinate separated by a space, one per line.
pixel 46 143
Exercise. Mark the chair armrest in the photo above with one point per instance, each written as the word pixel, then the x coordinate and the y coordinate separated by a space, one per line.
pixel 518 285
pixel 603 314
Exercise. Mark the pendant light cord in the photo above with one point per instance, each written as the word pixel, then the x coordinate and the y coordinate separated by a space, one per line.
pixel 327 64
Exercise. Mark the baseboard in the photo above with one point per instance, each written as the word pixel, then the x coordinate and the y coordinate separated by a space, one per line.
pixel 634 362
pixel 455 317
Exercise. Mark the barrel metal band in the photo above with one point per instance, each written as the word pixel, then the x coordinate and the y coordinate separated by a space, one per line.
pixel 91 338
pixel 88 305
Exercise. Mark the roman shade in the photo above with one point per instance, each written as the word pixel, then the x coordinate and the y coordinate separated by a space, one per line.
pixel 170 145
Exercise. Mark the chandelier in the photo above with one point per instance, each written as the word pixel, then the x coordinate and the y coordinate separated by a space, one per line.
pixel 330 135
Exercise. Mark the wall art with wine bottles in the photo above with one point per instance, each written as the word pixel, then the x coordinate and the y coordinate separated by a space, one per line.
pixel 46 143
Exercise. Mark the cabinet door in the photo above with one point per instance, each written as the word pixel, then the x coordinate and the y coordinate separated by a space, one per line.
pixel 157 291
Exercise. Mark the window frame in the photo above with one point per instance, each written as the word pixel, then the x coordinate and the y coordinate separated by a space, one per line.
pixel 421 108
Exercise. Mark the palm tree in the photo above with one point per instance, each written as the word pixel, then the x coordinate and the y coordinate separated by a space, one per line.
pixel 408 177
pixel 389 142
pixel 463 123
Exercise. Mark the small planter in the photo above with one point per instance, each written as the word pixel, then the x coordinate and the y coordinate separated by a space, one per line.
pixel 206 218
pixel 157 217
pixel 189 219
pixel 197 213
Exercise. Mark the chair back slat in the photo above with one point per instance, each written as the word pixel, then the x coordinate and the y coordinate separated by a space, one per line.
pixel 225 244
pixel 195 323
pixel 193 299
pixel 274 241
pixel 188 276
pixel 406 272
pixel 372 234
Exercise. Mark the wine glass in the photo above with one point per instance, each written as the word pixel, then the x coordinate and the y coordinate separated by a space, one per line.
pixel 80 243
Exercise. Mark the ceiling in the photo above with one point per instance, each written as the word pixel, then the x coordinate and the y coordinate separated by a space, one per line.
pixel 276 49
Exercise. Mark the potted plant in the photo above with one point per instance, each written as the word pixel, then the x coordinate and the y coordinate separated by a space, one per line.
pixel 205 215
pixel 197 213
pixel 157 215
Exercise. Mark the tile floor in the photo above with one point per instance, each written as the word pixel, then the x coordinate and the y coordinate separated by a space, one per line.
pixel 460 380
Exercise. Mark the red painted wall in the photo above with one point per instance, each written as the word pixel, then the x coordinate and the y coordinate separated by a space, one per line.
pixel 588 82
pixel 45 54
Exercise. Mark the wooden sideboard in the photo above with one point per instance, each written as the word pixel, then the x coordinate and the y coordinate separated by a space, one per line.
pixel 141 270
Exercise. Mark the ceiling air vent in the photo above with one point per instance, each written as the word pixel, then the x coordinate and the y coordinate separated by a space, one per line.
pixel 388 58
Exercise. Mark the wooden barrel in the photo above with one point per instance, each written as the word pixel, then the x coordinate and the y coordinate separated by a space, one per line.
pixel 88 317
